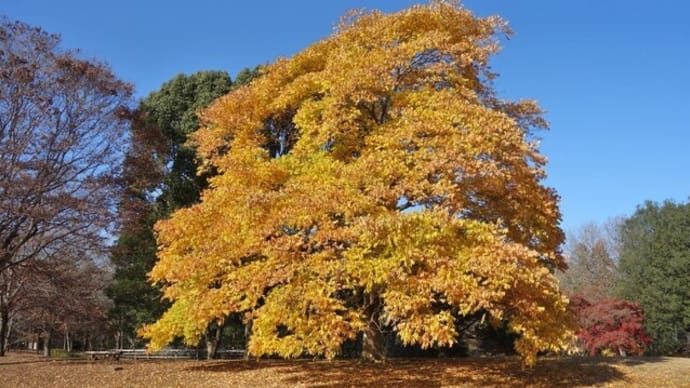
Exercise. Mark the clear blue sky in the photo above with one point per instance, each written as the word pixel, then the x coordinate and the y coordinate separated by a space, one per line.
pixel 613 75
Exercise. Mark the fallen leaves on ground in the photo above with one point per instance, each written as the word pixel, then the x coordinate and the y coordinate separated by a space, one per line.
pixel 25 370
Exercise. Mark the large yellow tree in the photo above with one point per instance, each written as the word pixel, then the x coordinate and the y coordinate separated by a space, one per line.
pixel 372 180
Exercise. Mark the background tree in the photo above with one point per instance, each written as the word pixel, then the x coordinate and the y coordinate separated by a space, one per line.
pixel 63 298
pixel 592 271
pixel 160 176
pixel 654 271
pixel 61 125
pixel 246 75
pixel 372 180
pixel 611 326
pixel 12 281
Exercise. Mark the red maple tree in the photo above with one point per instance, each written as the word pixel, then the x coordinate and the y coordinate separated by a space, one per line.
pixel 615 325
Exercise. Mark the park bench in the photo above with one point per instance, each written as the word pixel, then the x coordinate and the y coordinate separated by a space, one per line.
pixel 103 354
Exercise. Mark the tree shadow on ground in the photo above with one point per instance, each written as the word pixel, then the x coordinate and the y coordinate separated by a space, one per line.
pixel 632 361
pixel 2 362
pixel 505 371
pixel 14 358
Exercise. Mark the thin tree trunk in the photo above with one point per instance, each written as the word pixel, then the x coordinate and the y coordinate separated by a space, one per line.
pixel 37 346
pixel 10 322
pixel 247 337
pixel 4 326
pixel 373 348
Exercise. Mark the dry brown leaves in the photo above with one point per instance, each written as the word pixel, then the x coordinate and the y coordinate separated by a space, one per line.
pixel 22 370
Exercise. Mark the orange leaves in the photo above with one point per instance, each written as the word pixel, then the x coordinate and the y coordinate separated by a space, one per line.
pixel 404 192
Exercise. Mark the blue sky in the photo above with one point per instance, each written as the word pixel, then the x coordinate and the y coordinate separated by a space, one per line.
pixel 613 75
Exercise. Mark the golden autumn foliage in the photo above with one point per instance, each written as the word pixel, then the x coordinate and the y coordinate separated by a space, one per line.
pixel 372 179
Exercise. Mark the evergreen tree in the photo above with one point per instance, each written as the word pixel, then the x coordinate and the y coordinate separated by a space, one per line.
pixel 655 271
pixel 160 176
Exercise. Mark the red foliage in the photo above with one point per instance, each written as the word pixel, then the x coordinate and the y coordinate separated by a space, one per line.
pixel 612 324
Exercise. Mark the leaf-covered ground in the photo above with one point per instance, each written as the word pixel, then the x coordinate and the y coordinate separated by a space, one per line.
pixel 21 370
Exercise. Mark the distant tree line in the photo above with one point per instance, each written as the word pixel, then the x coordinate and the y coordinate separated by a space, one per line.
pixel 630 281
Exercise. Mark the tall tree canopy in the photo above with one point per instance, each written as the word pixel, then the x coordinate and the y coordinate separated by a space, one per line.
pixel 655 271
pixel 173 111
pixel 160 177
pixel 372 180
pixel 61 124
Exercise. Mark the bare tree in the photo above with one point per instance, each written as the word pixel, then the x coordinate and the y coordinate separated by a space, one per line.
pixel 592 252
pixel 64 295
pixel 11 299
pixel 62 130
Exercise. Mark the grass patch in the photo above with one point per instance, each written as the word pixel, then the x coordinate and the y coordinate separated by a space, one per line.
pixel 62 354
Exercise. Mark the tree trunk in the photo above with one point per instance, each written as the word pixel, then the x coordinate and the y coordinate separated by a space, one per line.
pixel 247 336
pixel 37 344
pixel 8 333
pixel 213 335
pixel 4 326
pixel 46 344
pixel 373 348
pixel 68 342
pixel 116 337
